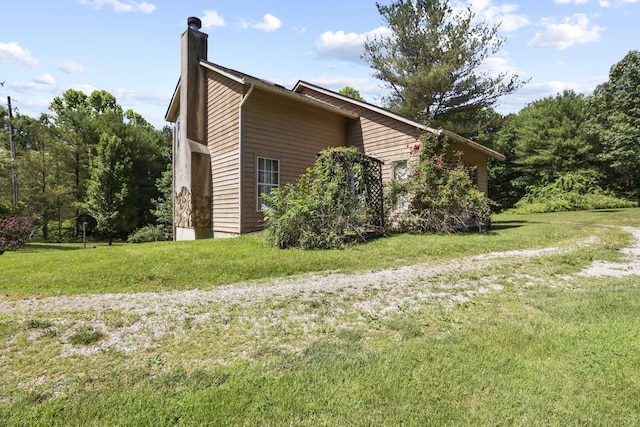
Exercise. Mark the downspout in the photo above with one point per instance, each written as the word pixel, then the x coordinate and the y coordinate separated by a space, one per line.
pixel 241 137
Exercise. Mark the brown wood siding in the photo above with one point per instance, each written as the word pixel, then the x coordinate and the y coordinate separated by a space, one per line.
pixel 475 158
pixel 292 132
pixel 375 134
pixel 224 97
pixel 387 139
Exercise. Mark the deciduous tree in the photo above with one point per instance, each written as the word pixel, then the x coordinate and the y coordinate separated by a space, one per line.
pixel 615 121
pixel 108 189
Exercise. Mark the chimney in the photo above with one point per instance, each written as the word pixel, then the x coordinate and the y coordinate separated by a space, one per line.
pixel 193 102
pixel 194 23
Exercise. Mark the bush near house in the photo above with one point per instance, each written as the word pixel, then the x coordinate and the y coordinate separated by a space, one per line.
pixel 327 208
pixel 442 197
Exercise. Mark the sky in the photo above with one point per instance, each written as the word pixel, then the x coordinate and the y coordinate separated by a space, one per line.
pixel 131 48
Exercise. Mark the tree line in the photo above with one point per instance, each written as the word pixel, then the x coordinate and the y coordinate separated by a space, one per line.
pixel 87 155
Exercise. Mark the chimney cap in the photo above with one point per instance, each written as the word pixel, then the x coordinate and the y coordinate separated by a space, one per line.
pixel 194 22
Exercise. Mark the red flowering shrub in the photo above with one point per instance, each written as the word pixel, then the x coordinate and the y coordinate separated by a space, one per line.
pixel 441 194
pixel 15 231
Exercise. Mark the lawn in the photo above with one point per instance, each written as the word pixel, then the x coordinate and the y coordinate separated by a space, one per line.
pixel 518 341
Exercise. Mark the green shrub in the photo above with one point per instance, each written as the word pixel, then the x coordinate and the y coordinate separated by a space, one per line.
pixel 571 192
pixel 150 233
pixel 442 197
pixel 326 208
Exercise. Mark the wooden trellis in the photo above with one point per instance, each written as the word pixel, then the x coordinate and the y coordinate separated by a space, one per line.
pixel 371 186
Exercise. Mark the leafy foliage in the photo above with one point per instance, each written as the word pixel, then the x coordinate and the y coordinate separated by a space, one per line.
pixel 441 194
pixel 615 121
pixel 431 62
pixel 150 233
pixel 15 231
pixel 326 208
pixel 108 188
pixel 570 192
pixel 351 93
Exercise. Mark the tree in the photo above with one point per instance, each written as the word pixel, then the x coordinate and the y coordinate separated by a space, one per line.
pixel 615 121
pixel 108 188
pixel 549 140
pixel 351 93
pixel 431 62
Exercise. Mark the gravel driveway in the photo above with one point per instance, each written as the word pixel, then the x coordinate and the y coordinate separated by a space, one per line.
pixel 309 301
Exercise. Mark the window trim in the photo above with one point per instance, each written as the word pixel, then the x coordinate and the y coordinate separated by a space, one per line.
pixel 258 183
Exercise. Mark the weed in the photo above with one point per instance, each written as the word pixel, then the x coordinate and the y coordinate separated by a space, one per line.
pixel 86 336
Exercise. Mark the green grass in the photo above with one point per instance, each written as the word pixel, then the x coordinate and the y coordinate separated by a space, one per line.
pixel 541 351
pixel 41 269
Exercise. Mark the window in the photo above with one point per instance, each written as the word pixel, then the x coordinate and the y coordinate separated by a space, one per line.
pixel 268 179
pixel 400 174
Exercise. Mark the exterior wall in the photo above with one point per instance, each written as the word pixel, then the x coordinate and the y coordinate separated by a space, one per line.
pixel 375 134
pixel 475 158
pixel 224 97
pixel 292 132
pixel 386 139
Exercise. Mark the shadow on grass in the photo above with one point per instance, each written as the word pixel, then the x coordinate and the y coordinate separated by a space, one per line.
pixel 39 247
pixel 504 225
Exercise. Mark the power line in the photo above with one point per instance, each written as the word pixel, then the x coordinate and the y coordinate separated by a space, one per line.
pixel 14 165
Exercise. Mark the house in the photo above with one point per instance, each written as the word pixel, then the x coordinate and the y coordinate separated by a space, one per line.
pixel 237 137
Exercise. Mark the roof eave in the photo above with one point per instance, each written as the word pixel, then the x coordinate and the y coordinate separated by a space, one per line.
pixel 279 90
pixel 174 105
pixel 469 143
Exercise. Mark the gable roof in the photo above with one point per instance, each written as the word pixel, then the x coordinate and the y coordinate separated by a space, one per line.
pixel 363 104
pixel 246 79
pixel 295 94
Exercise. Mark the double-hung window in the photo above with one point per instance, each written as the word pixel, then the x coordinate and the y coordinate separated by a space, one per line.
pixel 268 179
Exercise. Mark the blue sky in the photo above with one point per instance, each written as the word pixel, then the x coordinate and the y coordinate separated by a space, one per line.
pixel 131 48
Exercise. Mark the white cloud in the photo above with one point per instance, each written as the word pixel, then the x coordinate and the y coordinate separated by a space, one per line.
pixel 496 65
pixel 571 1
pixel 45 79
pixel 211 18
pixel 72 67
pixel 269 23
pixel 496 14
pixel 609 3
pixel 571 31
pixel 13 52
pixel 122 6
pixel 345 46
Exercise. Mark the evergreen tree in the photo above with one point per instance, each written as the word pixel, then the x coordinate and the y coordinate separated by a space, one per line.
pixel 431 62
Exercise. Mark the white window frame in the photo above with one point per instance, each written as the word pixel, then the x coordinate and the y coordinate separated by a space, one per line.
pixel 259 200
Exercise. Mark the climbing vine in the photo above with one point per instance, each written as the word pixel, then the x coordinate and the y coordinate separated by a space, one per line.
pixel 442 197
pixel 329 206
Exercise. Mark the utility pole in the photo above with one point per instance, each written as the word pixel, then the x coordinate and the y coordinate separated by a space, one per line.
pixel 14 165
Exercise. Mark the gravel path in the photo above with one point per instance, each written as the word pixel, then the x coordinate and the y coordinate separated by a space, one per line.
pixel 132 321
